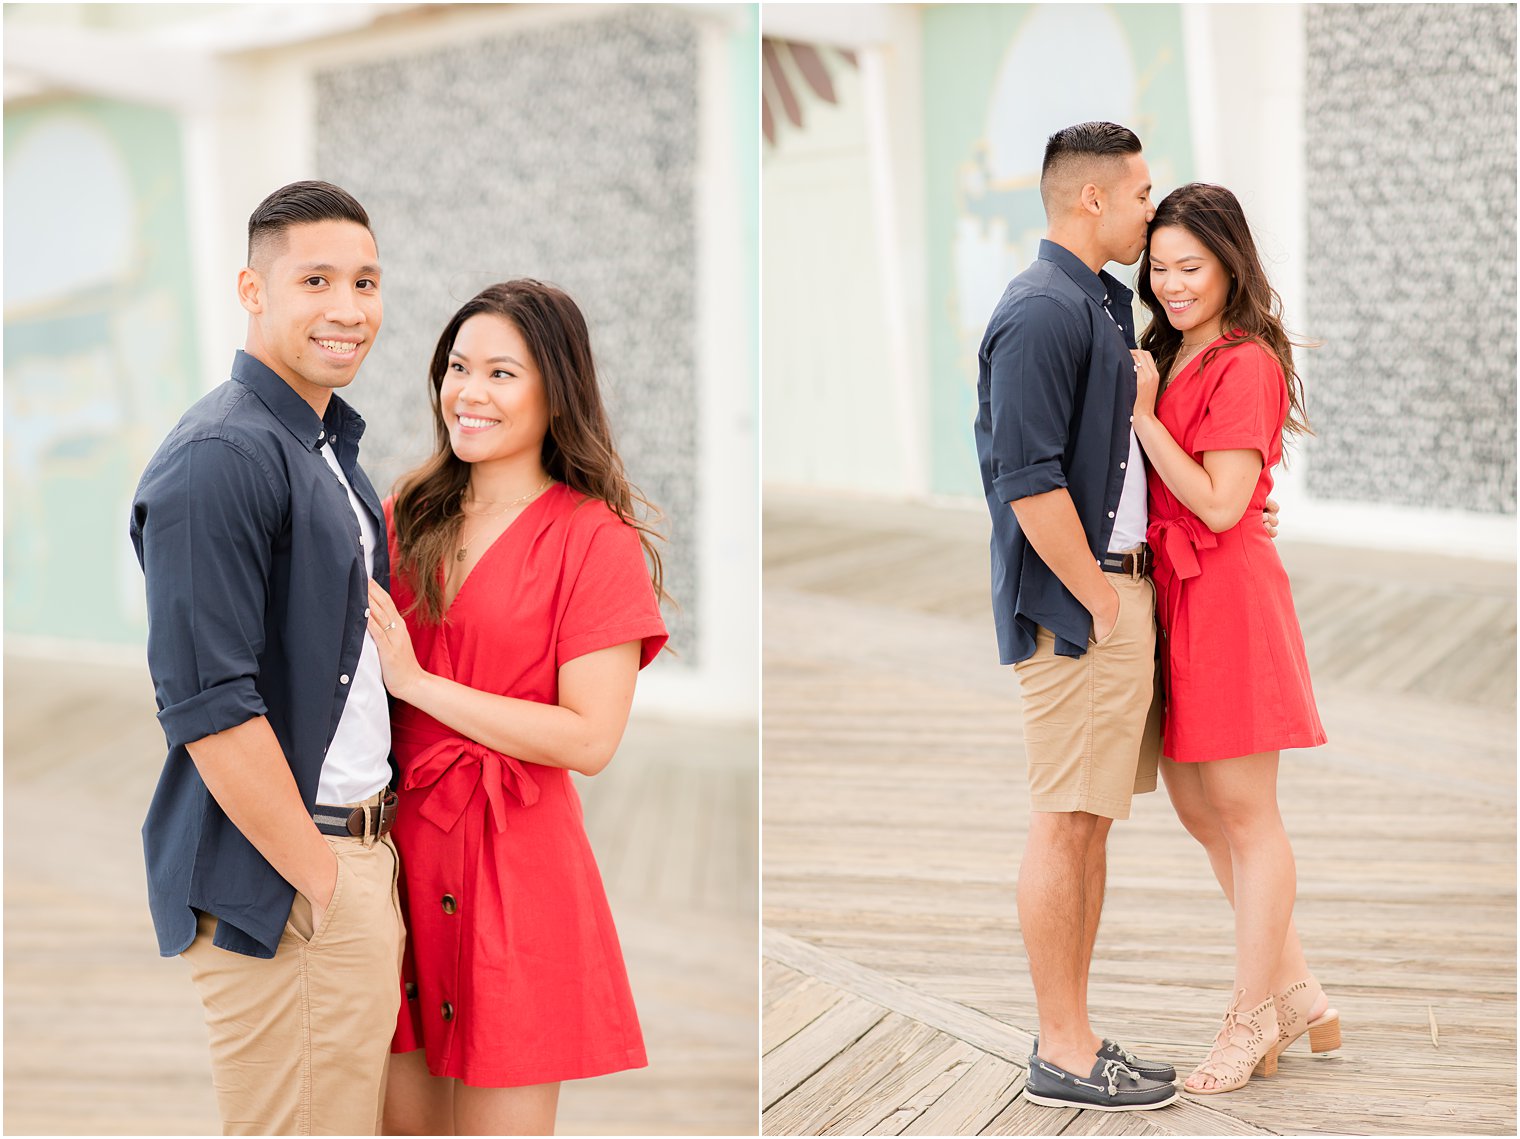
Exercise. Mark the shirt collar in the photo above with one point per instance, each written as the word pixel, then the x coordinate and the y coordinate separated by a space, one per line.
pixel 1103 287
pixel 298 416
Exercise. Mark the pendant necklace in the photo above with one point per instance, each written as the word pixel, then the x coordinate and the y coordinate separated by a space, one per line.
pixel 465 546
pixel 1177 368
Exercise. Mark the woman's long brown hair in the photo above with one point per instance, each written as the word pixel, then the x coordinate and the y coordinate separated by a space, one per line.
pixel 1252 307
pixel 577 449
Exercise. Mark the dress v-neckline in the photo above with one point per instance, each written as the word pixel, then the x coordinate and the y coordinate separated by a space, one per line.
pixel 443 567
pixel 1194 365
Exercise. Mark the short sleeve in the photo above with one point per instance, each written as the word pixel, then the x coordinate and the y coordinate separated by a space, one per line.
pixel 1244 407
pixel 204 524
pixel 1033 362
pixel 612 600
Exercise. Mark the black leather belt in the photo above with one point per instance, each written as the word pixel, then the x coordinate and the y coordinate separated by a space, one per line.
pixel 357 822
pixel 1136 563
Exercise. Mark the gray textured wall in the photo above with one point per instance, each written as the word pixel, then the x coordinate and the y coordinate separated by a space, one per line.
pixel 1410 123
pixel 566 153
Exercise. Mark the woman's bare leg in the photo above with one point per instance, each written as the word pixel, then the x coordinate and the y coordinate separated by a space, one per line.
pixel 505 1111
pixel 1184 784
pixel 416 1101
pixel 1243 794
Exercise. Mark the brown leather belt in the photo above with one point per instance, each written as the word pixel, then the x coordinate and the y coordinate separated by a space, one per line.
pixel 1136 563
pixel 357 822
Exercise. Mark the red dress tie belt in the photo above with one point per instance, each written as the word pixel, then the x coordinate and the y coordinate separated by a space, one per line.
pixel 448 773
pixel 1176 542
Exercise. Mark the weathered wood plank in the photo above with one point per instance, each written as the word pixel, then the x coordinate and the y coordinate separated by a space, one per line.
pixel 971 1102
pixel 850 1075
pixel 1115 1123
pixel 976 1028
pixel 813 1047
pixel 1021 1117
pixel 911 1085
pixel 799 1008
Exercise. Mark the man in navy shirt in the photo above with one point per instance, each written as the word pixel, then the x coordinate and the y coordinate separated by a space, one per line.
pixel 270 869
pixel 1072 602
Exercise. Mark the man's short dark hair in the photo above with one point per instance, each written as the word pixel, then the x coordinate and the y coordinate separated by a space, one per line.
pixel 1077 148
pixel 301 203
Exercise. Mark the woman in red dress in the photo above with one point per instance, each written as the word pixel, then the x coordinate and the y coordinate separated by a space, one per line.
pixel 523 611
pixel 1237 684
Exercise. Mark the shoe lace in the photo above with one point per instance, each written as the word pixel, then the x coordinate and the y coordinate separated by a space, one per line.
pixel 1218 1065
pixel 1111 1071
pixel 1129 1057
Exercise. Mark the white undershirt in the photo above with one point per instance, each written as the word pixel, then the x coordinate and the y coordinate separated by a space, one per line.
pixel 356 763
pixel 1133 515
pixel 1132 518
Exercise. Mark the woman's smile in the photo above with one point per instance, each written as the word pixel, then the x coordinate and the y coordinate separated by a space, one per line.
pixel 472 424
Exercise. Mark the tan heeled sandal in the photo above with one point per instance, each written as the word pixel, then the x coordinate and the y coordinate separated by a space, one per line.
pixel 1293 1008
pixel 1246 1045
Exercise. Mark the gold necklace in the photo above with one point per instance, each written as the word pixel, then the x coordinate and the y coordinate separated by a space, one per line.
pixel 1188 359
pixel 465 546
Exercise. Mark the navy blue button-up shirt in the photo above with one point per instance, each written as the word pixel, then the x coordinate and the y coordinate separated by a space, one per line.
pixel 1055 392
pixel 257 594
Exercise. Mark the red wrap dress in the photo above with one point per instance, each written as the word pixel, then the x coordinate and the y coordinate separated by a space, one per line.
pixel 513 974
pixel 1236 678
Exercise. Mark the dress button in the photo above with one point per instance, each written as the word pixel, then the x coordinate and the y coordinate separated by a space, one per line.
pixel 344 678
pixel 448 1011
pixel 411 990
pixel 449 905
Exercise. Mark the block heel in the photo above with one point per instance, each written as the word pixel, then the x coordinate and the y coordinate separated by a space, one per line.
pixel 1325 1033
pixel 1293 1008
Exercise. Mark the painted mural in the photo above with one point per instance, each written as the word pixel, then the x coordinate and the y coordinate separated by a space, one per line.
pixel 99 354
pixel 998 80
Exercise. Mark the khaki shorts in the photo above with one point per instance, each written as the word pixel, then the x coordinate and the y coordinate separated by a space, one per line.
pixel 1092 725
pixel 300 1042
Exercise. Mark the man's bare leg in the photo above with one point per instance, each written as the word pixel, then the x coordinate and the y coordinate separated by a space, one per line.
pixel 1053 905
pixel 1094 882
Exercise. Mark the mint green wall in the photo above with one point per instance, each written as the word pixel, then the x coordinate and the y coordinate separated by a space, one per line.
pixel 99 354
pixel 998 79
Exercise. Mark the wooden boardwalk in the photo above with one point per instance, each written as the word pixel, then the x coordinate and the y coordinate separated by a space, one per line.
pixel 896 998
pixel 104 1037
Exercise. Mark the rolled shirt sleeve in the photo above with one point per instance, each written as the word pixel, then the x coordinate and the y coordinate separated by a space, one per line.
pixel 204 526
pixel 1033 368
